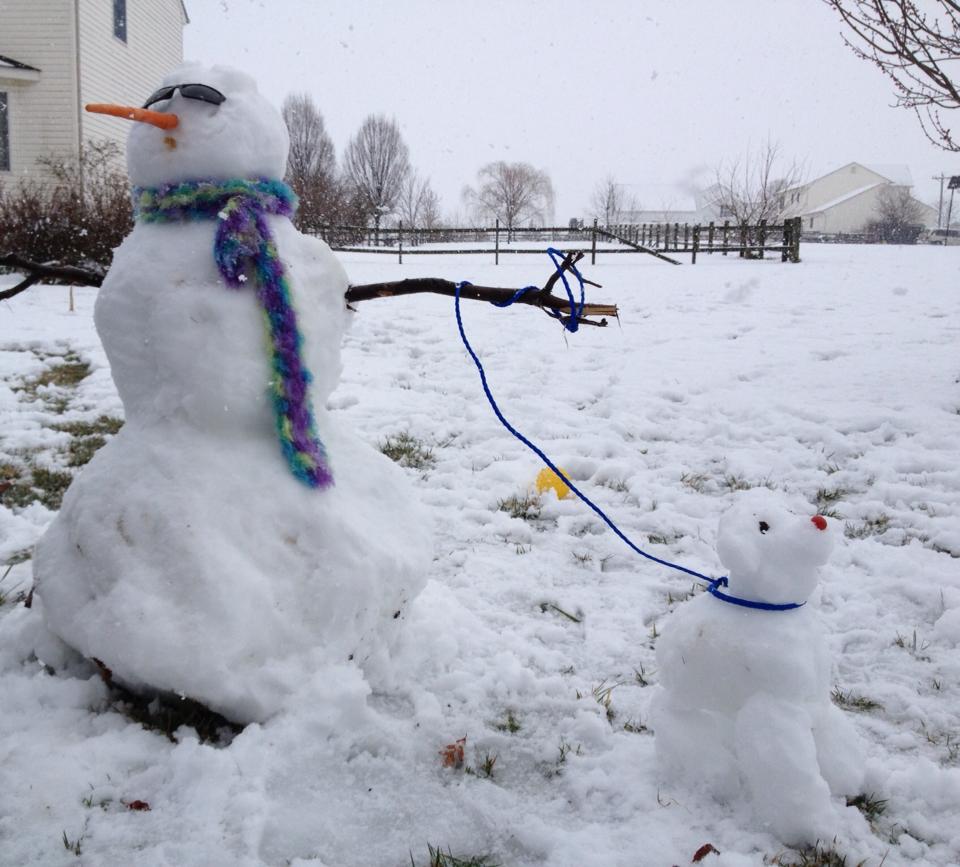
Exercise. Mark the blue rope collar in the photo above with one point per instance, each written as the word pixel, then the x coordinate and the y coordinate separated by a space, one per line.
pixel 713 589
pixel 572 323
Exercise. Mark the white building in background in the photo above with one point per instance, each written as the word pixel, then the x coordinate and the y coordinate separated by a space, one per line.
pixel 57 55
pixel 846 199
pixel 667 203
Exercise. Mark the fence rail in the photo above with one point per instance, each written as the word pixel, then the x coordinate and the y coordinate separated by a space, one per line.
pixel 657 239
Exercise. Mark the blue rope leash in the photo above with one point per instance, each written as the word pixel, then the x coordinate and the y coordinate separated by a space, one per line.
pixel 572 323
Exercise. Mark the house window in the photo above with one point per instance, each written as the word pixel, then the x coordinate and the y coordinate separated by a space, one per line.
pixel 120 19
pixel 4 133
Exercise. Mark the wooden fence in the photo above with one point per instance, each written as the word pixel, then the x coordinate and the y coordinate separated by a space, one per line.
pixel 748 241
pixel 656 239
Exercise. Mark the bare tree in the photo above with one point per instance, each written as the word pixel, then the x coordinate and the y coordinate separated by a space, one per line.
pixel 418 205
pixel 311 164
pixel 430 217
pixel 512 193
pixel 917 49
pixel 608 201
pixel 749 187
pixel 377 163
pixel 899 217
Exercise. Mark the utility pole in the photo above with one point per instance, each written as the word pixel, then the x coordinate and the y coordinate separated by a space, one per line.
pixel 941 177
pixel 953 186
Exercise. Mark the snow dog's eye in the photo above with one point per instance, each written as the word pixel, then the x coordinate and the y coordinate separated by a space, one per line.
pixel 764 526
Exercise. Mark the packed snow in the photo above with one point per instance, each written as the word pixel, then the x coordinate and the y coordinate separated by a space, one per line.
pixel 185 532
pixel 744 706
pixel 833 382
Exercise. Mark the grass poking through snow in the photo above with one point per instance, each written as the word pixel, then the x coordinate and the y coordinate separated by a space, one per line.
pixel 408 451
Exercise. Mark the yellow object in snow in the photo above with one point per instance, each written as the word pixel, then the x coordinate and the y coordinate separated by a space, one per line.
pixel 548 480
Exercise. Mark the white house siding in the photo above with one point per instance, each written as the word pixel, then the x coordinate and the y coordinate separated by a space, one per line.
pixel 850 215
pixel 42 113
pixel 126 73
pixel 807 198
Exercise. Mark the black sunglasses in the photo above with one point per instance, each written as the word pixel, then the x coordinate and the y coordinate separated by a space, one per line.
pixel 203 92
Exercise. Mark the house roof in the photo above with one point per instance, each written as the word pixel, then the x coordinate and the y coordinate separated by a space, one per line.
pixel 896 173
pixel 10 63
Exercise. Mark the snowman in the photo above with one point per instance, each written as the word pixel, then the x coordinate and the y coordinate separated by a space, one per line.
pixel 744 706
pixel 233 537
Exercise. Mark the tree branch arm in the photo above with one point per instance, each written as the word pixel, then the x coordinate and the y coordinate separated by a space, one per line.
pixel 37 271
pixel 490 294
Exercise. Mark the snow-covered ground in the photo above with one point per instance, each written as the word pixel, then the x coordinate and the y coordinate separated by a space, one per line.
pixel 837 380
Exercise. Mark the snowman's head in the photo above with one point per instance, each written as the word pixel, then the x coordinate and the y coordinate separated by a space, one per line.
pixel 203 123
pixel 772 553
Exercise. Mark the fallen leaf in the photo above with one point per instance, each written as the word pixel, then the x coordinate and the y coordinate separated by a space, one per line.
pixel 703 851
pixel 452 754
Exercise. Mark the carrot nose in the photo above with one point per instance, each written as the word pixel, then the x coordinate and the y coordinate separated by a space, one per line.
pixel 819 522
pixel 145 115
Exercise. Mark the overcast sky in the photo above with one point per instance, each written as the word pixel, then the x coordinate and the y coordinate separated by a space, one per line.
pixel 648 91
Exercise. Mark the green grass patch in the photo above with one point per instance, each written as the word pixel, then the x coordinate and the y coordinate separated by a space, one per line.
pixel 852 701
pixel 509 724
pixel 816 856
pixel 825 499
pixel 695 481
pixel 105 424
pixel 526 507
pixel 68 374
pixel 20 556
pixel 439 858
pixel 664 538
pixel 37 484
pixel 867 528
pixel 870 805
pixel 408 451
pixel 55 380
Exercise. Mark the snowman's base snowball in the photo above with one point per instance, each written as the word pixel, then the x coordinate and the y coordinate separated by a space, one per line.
pixel 199 566
pixel 743 711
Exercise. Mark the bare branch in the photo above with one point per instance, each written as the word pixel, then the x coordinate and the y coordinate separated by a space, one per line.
pixel 491 294
pixel 918 49
pixel 37 271
pixel 748 188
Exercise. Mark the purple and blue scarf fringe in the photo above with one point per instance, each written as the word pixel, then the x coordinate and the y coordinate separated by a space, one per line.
pixel 244 247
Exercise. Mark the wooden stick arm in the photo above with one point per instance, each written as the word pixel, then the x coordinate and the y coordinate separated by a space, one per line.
pixel 491 294
pixel 37 271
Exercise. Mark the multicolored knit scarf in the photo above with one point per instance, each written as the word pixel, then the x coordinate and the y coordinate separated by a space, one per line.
pixel 245 247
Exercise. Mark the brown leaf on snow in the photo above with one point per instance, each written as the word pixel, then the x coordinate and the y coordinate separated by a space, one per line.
pixel 703 851
pixel 452 754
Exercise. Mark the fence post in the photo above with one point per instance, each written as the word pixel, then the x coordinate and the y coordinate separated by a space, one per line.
pixel 593 243
pixel 762 235
pixel 496 243
pixel 710 236
pixel 797 228
pixel 686 236
pixel 696 243
pixel 787 241
pixel 743 240
pixel 726 230
pixel 400 242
